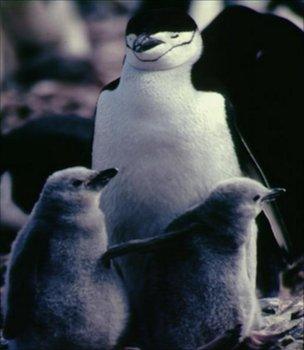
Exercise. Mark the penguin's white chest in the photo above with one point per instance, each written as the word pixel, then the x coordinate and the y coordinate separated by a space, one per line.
pixel 170 149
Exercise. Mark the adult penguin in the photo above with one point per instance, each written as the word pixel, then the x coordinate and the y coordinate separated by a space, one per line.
pixel 257 60
pixel 171 141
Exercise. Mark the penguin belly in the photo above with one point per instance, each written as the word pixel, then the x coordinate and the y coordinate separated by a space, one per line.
pixel 92 317
pixel 170 154
pixel 75 308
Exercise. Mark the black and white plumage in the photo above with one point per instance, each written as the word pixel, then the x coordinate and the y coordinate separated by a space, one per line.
pixel 197 284
pixel 167 60
pixel 57 293
pixel 170 141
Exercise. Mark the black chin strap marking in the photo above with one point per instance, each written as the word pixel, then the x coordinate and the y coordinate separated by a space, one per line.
pixel 173 47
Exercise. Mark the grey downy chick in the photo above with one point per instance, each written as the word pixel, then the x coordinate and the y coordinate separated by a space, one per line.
pixel 197 285
pixel 57 293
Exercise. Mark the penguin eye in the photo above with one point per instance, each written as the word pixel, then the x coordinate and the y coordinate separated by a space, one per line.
pixel 256 198
pixel 174 36
pixel 76 183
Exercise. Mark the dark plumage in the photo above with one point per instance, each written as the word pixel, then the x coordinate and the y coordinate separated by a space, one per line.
pixel 46 66
pixel 165 20
pixel 257 59
pixel 42 146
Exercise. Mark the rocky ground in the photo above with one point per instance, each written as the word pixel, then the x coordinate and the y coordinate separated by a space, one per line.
pixel 282 317
pixel 283 325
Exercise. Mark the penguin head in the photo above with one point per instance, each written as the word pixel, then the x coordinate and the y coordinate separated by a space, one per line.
pixel 243 196
pixel 162 39
pixel 77 183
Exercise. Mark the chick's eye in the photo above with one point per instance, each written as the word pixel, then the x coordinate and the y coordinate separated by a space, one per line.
pixel 256 198
pixel 174 36
pixel 77 183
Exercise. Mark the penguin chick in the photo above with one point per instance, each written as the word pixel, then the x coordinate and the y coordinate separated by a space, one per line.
pixel 57 293
pixel 197 285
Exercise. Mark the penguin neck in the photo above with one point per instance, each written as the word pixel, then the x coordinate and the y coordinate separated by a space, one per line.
pixel 82 216
pixel 231 224
pixel 58 205
pixel 162 81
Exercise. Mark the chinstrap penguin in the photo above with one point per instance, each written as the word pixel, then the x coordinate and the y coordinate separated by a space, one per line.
pixel 171 142
pixel 244 52
pixel 197 284
pixel 58 295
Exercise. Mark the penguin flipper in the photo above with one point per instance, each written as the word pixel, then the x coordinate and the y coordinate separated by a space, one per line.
pixel 21 285
pixel 252 169
pixel 185 224
pixel 270 209
pixel 112 85
pixel 147 245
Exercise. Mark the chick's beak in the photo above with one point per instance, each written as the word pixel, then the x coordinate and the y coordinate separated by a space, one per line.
pixel 102 178
pixel 145 42
pixel 273 194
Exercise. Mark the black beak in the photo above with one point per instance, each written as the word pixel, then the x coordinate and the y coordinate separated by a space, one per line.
pixel 145 42
pixel 101 179
pixel 275 192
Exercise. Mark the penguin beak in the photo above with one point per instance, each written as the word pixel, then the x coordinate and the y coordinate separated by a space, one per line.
pixel 273 194
pixel 145 42
pixel 101 179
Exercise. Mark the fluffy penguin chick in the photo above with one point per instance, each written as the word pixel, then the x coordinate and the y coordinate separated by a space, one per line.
pixel 57 293
pixel 170 141
pixel 197 285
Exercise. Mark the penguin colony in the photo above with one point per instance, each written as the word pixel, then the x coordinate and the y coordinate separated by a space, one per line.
pixel 173 146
